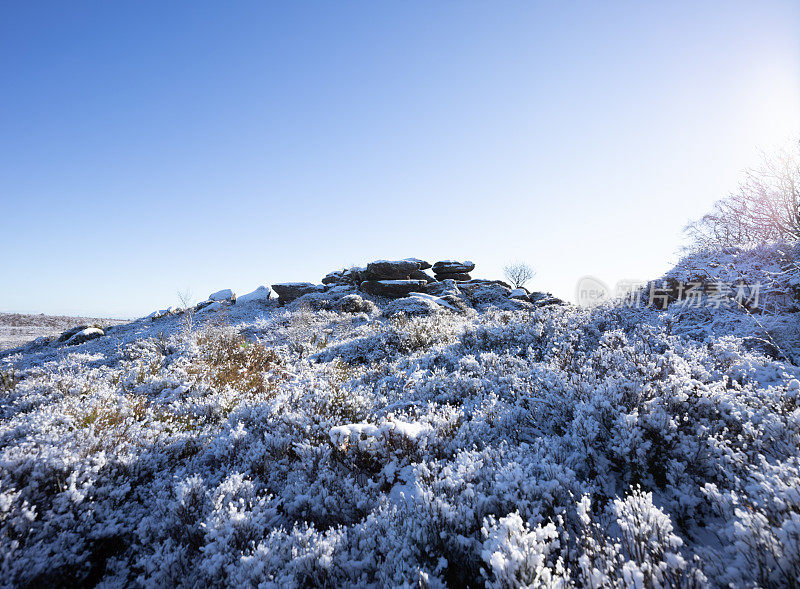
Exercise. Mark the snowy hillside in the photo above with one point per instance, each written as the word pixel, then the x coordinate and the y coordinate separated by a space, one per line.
pixel 18 328
pixel 464 434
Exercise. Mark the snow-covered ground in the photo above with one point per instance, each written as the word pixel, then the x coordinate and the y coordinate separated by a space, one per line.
pixel 252 444
pixel 17 329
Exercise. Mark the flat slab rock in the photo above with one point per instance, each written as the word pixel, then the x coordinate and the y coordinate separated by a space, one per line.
pixel 392 288
pixel 71 332
pixel 459 276
pixel 421 275
pixel 334 277
pixel 85 335
pixel 453 267
pixel 392 270
pixel 423 265
pixel 222 295
pixel 289 291
pixel 260 294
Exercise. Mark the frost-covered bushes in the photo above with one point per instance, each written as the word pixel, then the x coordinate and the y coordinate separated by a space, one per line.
pixel 753 294
pixel 520 556
pixel 550 447
pixel 647 552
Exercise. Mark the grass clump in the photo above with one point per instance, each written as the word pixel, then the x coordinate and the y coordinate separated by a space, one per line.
pixel 8 379
pixel 228 359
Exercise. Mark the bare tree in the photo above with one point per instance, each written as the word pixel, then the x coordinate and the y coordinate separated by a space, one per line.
pixel 765 208
pixel 185 297
pixel 518 273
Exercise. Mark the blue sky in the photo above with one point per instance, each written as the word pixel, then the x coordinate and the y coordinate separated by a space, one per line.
pixel 152 147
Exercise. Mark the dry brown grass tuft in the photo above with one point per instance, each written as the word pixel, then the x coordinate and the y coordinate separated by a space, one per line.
pixel 8 379
pixel 230 360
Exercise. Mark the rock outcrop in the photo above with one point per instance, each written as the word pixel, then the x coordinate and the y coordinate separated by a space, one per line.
pixel 209 307
pixel 544 299
pixel 85 335
pixel 261 294
pixel 223 296
pixel 452 267
pixel 334 277
pixel 443 287
pixel 405 269
pixel 391 270
pixel 451 287
pixel 423 265
pixel 71 332
pixel 365 290
pixel 453 270
pixel 457 276
pixel 487 292
pixel 289 291
pixel 164 313
pixel 392 288
pixel 454 303
pixel 421 275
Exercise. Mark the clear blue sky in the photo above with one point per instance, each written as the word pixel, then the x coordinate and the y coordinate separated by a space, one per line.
pixel 147 147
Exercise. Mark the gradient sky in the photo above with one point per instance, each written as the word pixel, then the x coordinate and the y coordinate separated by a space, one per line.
pixel 151 147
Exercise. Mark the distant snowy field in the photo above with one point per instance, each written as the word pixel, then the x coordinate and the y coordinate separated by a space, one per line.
pixel 17 329
pixel 490 444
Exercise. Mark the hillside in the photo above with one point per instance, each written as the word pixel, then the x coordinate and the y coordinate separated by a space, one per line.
pixel 16 329
pixel 383 429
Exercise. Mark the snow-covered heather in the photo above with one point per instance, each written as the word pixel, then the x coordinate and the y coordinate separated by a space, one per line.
pixel 18 328
pixel 501 447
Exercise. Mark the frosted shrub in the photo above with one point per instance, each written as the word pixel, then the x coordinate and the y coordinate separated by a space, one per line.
pixel 652 549
pixel 295 447
pixel 518 556
pixel 599 560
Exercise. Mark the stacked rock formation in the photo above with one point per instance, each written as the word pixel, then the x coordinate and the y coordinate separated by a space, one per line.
pixel 452 270
pixel 393 278
pixel 451 286
pixel 414 291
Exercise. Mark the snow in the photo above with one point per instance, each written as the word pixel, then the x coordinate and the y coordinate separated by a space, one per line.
pixel 162 313
pixel 213 307
pixel 260 294
pixel 405 494
pixel 281 446
pixel 397 282
pixel 355 431
pixel 222 295
pixel 88 332
pixel 340 433
pixel 434 299
pixel 409 430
